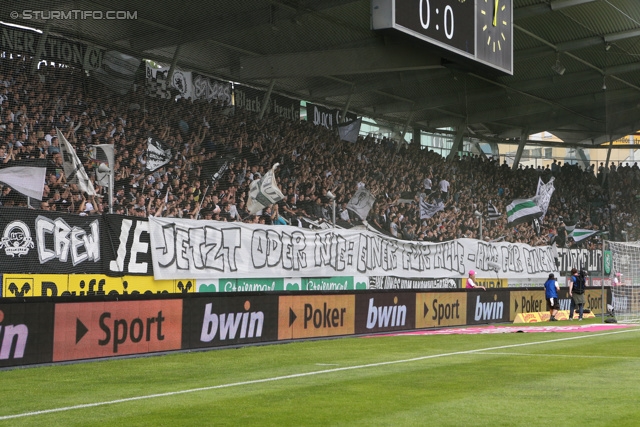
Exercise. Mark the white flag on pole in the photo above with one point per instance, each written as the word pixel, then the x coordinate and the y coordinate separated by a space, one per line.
pixel 543 195
pixel 25 176
pixel 361 203
pixel 73 169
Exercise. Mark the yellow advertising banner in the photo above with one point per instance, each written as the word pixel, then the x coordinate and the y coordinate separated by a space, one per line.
pixel 491 283
pixel 301 316
pixel 441 309
pixel 527 302
pixel 593 300
pixel 544 316
pixel 53 285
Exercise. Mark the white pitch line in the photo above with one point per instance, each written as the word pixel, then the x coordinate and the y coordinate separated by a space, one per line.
pixel 305 374
pixel 584 356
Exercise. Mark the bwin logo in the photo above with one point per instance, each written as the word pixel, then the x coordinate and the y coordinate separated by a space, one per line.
pixel 488 310
pixel 620 303
pixel 230 325
pixel 385 316
pixel 14 340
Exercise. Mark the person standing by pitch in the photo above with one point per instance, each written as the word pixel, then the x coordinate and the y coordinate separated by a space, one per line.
pixel 471 281
pixel 576 292
pixel 551 289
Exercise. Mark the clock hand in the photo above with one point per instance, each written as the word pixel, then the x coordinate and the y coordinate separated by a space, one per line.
pixel 495 12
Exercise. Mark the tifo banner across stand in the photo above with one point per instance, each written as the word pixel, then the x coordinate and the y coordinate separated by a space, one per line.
pixel 51 243
pixel 198 249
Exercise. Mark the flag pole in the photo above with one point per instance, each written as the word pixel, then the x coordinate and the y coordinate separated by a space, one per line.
pixel 206 190
pixel 111 180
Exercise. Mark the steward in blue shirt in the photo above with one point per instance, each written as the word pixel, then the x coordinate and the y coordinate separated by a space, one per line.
pixel 551 294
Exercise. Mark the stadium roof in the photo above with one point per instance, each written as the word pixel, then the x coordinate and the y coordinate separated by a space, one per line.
pixel 325 52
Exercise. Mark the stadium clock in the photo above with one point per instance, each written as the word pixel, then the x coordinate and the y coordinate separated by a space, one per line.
pixel 494 33
pixel 477 29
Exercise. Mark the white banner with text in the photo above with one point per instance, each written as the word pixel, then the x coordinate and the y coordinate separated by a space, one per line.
pixel 205 249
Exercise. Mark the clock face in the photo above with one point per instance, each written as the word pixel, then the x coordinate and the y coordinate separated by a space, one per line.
pixel 494 33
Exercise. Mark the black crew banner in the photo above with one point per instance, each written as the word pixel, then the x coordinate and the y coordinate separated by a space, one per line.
pixel 49 242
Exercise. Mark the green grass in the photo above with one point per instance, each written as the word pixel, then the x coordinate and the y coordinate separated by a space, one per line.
pixel 585 381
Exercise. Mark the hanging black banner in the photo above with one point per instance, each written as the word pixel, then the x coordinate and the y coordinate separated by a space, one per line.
pixel 126 249
pixel 35 241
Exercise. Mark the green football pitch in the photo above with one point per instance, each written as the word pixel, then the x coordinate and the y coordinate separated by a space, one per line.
pixel 506 379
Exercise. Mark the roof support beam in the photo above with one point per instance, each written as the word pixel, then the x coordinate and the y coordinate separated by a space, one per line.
pixel 541 9
pixel 381 59
pixel 346 107
pixel 382 81
pixel 524 136
pixel 458 140
pixel 480 95
pixel 265 100
pixel 174 62
pixel 537 52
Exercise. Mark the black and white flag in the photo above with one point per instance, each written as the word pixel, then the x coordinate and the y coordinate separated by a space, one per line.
pixel 221 171
pixel 158 84
pixel 349 131
pixel 25 176
pixel 158 154
pixel 73 169
pixel 535 223
pixel 264 192
pixel 543 195
pixel 427 210
pixel 102 155
pixel 361 203
pixel 117 71
pixel 492 212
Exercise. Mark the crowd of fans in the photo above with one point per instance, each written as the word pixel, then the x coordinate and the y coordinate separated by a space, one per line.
pixel 218 151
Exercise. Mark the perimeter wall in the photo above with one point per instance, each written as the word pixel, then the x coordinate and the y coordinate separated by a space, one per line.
pixel 98 287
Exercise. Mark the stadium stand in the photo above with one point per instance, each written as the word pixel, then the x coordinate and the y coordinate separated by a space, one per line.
pixel 206 138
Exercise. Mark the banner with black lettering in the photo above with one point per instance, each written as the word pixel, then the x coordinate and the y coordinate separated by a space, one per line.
pixel 58 49
pixel 207 249
pixel 250 99
pixel 126 250
pixel 327 117
pixel 49 242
